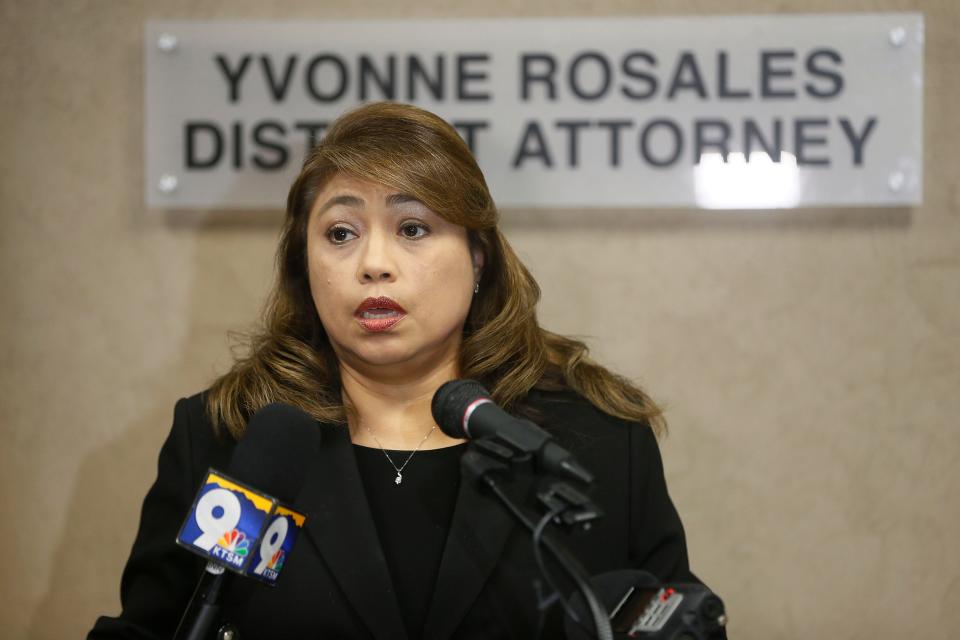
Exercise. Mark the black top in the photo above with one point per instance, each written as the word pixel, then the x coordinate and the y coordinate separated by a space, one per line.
pixel 412 519
pixel 337 582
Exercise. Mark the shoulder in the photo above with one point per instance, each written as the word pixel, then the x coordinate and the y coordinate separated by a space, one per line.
pixel 193 437
pixel 575 421
pixel 159 575
pixel 567 409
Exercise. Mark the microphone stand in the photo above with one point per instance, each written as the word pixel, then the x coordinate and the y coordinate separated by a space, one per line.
pixel 484 469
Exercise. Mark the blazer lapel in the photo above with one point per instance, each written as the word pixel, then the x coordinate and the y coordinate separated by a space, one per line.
pixel 339 523
pixel 475 542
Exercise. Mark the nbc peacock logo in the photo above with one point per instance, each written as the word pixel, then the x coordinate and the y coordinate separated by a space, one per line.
pixel 235 541
pixel 276 562
pixel 232 548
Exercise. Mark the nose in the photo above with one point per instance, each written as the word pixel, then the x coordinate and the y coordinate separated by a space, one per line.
pixel 376 262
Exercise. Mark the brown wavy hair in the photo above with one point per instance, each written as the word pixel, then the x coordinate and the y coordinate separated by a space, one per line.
pixel 417 153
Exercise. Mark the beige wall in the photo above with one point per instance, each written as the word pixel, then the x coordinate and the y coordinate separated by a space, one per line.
pixel 810 359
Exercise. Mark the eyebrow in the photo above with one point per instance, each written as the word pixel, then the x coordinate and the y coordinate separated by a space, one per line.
pixel 401 198
pixel 347 201
pixel 393 200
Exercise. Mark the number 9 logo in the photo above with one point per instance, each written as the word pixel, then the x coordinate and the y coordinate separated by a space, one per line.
pixel 273 539
pixel 214 525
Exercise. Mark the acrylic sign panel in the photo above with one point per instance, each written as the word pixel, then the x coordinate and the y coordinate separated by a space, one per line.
pixel 713 112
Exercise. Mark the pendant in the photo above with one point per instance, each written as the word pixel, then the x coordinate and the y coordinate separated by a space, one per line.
pixel 399 478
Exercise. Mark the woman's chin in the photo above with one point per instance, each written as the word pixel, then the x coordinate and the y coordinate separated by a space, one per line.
pixel 395 361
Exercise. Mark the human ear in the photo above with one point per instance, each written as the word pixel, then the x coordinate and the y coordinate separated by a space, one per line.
pixel 477 258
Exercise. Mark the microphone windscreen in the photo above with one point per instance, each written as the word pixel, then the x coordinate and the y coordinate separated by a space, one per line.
pixel 450 403
pixel 275 451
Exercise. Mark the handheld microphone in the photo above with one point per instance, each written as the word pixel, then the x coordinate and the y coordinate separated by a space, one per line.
pixel 463 409
pixel 243 521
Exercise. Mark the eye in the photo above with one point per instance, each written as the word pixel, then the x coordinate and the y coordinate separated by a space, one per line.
pixel 414 230
pixel 340 235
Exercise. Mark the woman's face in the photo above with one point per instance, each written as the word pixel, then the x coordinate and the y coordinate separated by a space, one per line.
pixel 392 281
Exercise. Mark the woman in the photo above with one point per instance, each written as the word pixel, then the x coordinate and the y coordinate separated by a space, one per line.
pixel 393 279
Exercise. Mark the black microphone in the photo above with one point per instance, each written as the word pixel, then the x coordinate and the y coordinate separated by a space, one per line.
pixel 275 451
pixel 642 607
pixel 271 459
pixel 463 409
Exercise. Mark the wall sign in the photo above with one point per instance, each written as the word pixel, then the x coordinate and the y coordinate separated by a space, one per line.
pixel 713 112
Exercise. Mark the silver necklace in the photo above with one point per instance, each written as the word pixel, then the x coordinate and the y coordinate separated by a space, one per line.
pixel 399 469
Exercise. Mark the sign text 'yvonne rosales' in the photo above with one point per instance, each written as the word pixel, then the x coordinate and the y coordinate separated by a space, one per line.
pixel 714 112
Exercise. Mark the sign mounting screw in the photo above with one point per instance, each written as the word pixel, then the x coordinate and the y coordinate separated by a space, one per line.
pixel 898 35
pixel 896 181
pixel 167 42
pixel 168 183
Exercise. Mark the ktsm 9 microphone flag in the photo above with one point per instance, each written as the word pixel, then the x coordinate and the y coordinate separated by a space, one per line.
pixel 242 529
pixel 247 529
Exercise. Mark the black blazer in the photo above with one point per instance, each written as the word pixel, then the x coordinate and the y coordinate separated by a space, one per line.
pixel 336 584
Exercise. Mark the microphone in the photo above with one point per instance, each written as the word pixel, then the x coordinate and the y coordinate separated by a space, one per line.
pixel 463 409
pixel 275 450
pixel 244 517
pixel 641 607
pixel 243 521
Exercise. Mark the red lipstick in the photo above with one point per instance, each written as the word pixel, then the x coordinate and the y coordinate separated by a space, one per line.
pixel 379 314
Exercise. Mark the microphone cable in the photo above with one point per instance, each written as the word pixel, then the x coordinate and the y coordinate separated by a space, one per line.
pixel 602 629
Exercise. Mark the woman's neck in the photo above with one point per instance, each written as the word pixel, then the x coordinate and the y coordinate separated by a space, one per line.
pixel 395 415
